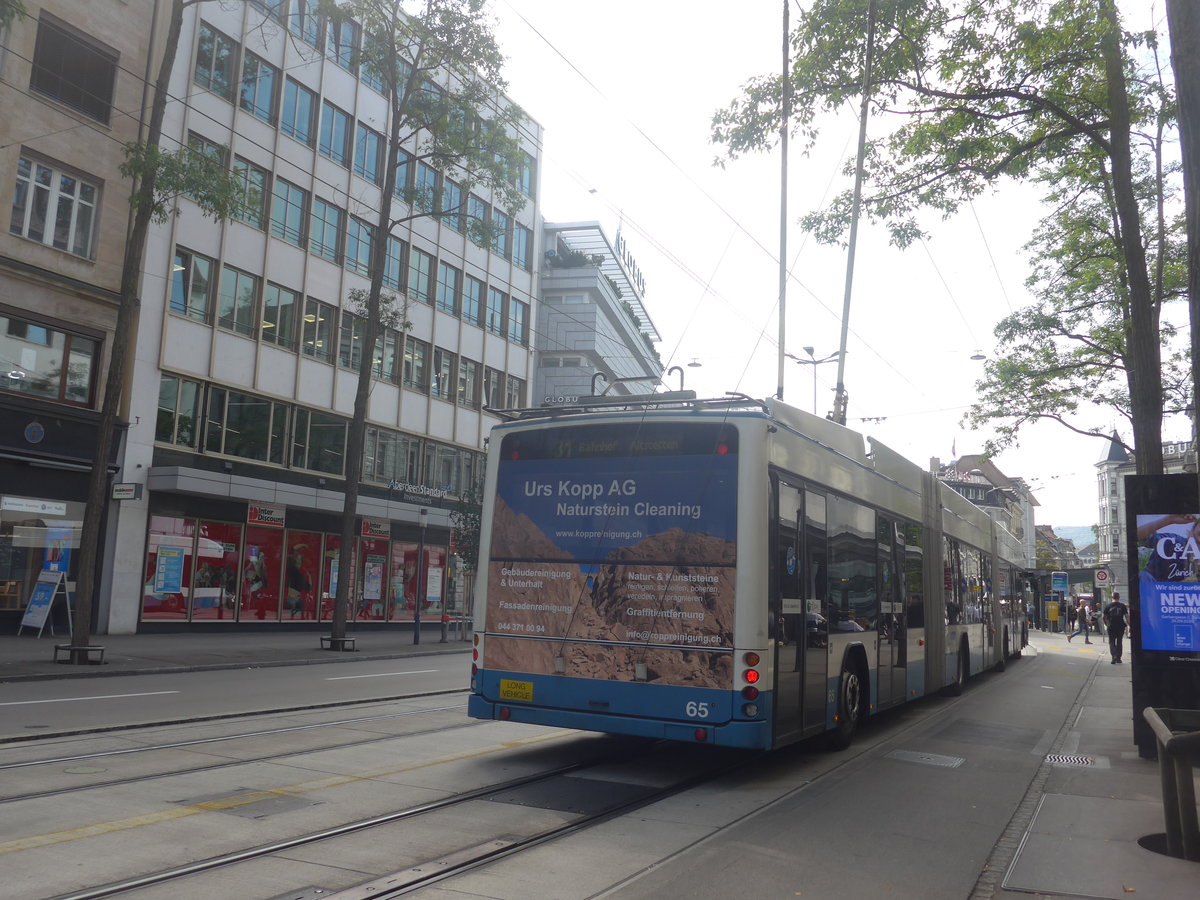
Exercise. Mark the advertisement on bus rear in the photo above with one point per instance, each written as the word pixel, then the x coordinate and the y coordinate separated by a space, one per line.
pixel 1169 581
pixel 630 560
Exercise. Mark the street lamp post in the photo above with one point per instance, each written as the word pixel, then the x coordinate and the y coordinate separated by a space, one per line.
pixel 423 519
pixel 814 362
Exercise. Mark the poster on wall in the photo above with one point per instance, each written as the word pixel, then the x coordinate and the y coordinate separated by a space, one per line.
pixel 1168 562
pixel 168 570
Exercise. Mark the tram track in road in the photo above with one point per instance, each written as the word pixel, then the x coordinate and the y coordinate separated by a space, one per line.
pixel 214 766
pixel 621 800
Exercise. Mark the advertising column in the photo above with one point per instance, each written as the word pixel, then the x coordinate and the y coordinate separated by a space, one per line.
pixel 1164 574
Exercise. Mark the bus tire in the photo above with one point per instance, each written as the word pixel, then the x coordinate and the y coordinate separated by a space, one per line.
pixel 955 688
pixel 850 705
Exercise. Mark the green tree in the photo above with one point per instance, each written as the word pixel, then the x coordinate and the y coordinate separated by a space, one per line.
pixel 158 178
pixel 440 70
pixel 973 93
pixel 1069 350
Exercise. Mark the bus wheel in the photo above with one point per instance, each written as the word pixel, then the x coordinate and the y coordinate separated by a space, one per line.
pixel 955 688
pixel 850 702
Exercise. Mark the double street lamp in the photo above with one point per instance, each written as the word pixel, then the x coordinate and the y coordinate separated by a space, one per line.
pixel 814 362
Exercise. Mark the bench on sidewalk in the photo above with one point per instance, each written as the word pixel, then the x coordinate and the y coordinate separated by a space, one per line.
pixel 329 642
pixel 93 654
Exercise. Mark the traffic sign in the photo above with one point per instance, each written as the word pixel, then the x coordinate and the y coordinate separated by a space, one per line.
pixel 1101 576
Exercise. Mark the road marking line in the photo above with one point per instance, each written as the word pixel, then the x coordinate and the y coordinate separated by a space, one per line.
pixel 77 699
pixel 381 675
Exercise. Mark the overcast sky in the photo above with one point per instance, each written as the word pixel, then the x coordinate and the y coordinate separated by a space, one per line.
pixel 626 91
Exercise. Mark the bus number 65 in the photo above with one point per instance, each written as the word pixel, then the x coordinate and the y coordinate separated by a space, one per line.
pixel 696 710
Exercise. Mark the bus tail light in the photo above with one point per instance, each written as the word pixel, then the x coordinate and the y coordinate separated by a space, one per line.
pixel 701 735
pixel 751 659
pixel 505 714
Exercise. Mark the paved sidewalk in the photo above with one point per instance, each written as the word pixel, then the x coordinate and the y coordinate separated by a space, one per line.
pixel 28 658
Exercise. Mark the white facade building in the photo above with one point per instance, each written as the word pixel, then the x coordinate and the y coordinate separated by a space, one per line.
pixel 246 359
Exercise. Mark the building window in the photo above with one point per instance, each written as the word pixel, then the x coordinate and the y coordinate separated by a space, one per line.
pixel 468 383
pixel 393 264
pixel 73 70
pixel 350 341
pixel 477 218
pixel 288 207
pixel 472 300
pixel 493 387
pixel 325 230
pixel 238 304
pixel 442 382
pixel 368 67
pixel 501 225
pixel 305 22
pixel 447 288
pixel 416 364
pixel 404 167
pixel 178 411
pixel 518 315
pixel 335 134
pixel 246 426
pixel 368 146
pixel 525 176
pixel 273 9
pixel 252 187
pixel 215 55
pixel 318 442
pixel 452 204
pixel 317 340
pixel 192 285
pixel 425 188
pixel 280 307
pixel 391 456
pixel 299 104
pixel 522 246
pixel 359 239
pixel 54 207
pixel 259 80
pixel 45 362
pixel 514 392
pixel 387 346
pixel 342 43
pixel 420 275
pixel 494 322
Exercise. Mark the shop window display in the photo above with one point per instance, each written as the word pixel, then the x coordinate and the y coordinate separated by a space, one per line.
pixel 404 581
pixel 36 535
pixel 262 571
pixel 215 580
pixel 169 549
pixel 373 559
pixel 302 575
pixel 329 575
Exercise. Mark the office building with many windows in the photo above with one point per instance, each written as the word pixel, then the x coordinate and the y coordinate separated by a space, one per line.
pixel 248 349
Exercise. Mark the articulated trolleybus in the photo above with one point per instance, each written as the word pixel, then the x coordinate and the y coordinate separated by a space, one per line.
pixel 729 571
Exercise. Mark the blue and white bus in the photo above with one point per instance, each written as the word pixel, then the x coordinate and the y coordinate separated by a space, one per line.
pixel 729 571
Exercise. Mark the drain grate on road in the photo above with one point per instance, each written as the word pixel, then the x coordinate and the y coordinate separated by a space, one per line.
pixel 927 759
pixel 1059 759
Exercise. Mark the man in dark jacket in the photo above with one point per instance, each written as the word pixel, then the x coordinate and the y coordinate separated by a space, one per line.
pixel 1116 619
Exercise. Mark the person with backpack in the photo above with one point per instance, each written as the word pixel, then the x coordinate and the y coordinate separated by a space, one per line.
pixel 1116 619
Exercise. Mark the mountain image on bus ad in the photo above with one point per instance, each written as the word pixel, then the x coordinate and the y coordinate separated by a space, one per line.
pixel 628 561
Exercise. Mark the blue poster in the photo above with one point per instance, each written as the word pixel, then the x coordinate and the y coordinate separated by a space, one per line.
pixel 1169 582
pixel 40 600
pixel 591 507
pixel 168 571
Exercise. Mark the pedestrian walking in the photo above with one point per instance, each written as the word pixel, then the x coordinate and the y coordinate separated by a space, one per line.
pixel 1081 617
pixel 1116 620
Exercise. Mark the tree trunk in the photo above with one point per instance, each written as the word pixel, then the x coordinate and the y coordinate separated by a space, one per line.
pixel 123 340
pixel 1144 368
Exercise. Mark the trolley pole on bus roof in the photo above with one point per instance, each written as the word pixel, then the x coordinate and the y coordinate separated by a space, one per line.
pixel 784 86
